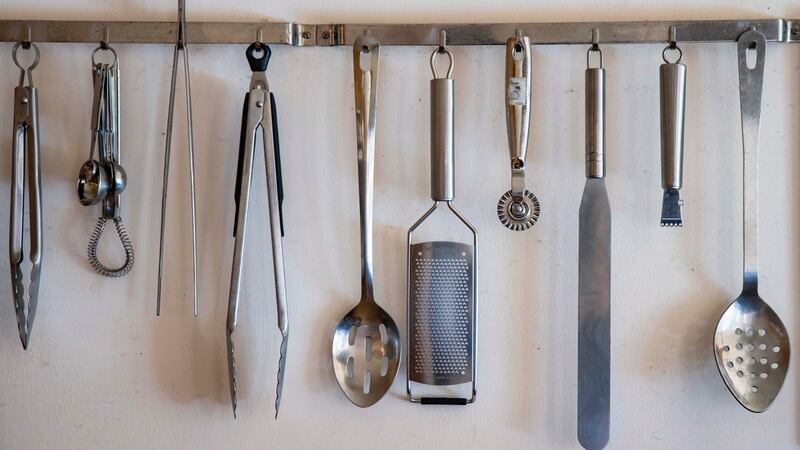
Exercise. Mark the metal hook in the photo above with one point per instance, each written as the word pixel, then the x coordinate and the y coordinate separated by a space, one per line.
pixel 26 42
pixel 595 47
pixel 106 39
pixel 259 38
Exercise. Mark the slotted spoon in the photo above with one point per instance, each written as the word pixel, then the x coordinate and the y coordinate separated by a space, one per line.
pixel 366 344
pixel 750 343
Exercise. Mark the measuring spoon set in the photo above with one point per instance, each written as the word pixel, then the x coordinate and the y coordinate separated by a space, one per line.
pixel 750 343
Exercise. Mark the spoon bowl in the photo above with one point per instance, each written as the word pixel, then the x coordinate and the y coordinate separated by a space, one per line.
pixel 366 353
pixel 93 183
pixel 751 348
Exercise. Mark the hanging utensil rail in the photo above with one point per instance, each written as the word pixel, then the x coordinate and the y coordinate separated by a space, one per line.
pixel 302 35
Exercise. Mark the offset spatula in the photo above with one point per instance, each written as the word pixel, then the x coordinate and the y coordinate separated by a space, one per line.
pixel 594 275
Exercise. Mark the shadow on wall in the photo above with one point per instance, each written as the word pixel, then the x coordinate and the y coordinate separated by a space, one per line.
pixel 189 352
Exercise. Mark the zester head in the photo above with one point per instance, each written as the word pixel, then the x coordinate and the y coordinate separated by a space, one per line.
pixel 441 313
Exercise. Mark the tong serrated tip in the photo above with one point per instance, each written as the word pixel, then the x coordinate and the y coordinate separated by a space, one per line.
pixel 231 370
pixel 281 368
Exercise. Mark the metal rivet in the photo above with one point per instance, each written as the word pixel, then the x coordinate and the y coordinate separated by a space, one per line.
pixel 306 35
pixel 24 100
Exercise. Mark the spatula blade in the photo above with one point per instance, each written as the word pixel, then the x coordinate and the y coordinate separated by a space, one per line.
pixel 594 316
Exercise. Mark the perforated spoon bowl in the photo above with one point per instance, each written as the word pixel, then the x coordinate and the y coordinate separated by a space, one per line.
pixel 751 346
pixel 366 343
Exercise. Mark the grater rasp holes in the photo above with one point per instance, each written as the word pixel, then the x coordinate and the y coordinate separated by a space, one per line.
pixel 441 313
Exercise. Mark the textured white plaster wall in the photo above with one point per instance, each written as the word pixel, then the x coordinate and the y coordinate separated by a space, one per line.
pixel 104 372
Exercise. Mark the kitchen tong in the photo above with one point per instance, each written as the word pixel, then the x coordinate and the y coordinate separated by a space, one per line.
pixel 25 173
pixel 258 112
pixel 180 45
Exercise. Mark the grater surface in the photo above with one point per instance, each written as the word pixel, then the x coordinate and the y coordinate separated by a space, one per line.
pixel 441 313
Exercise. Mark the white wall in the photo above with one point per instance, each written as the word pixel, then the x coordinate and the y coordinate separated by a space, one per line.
pixel 104 372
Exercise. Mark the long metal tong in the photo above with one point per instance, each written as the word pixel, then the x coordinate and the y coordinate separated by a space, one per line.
pixel 180 44
pixel 25 173
pixel 257 115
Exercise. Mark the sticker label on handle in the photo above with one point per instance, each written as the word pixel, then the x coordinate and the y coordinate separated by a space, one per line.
pixel 517 92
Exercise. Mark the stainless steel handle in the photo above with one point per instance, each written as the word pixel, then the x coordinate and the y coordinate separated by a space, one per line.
pixel 672 78
pixel 442 112
pixel 595 122
pixel 366 54
pixel 518 107
pixel 751 82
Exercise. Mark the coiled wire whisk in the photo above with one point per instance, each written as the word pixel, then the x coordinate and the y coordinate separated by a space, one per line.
pixel 127 245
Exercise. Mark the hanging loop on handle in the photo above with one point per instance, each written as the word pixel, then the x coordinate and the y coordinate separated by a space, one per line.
pixel 25 70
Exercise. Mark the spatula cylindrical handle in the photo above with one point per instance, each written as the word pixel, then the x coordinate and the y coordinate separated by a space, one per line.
pixel 442 111
pixel 595 123
pixel 672 79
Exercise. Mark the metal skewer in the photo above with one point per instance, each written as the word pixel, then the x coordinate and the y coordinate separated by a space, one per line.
pixel 180 44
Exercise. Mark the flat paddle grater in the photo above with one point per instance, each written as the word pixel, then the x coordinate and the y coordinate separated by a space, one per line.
pixel 442 283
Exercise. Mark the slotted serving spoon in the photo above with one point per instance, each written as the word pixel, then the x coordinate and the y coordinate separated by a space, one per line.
pixel 366 344
pixel 750 343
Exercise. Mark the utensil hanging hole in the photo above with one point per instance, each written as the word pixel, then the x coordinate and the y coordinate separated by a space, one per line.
pixel 368 348
pixel 751 361
pixel 349 367
pixel 384 366
pixel 752 374
pixel 749 332
pixel 739 360
pixel 762 347
pixel 751 347
pixel 751 56
pixel 739 373
pixel 384 333
pixel 762 332
pixel 776 349
pixel 763 360
pixel 764 375
pixel 365 59
pixel 739 346
pixel 754 389
pixel 730 365
pixel 518 52
pixel 258 52
pixel 351 337
pixel 367 381
pixel 773 365
pixel 738 331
